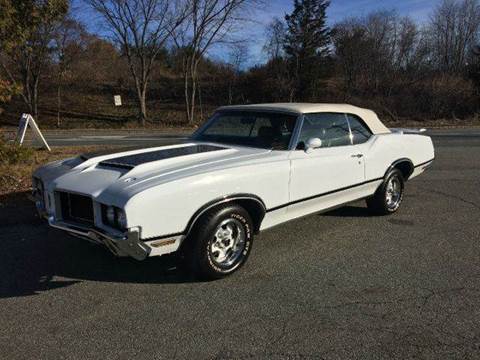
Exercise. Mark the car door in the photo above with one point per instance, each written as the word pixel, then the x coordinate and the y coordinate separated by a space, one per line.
pixel 361 136
pixel 324 171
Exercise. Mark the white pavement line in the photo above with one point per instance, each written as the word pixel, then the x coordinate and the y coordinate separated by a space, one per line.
pixel 103 137
pixel 466 135
pixel 156 138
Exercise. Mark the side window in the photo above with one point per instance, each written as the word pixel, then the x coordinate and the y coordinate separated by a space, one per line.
pixel 360 133
pixel 331 128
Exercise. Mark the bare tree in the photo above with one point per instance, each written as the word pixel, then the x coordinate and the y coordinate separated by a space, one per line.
pixel 378 51
pixel 68 45
pixel 406 44
pixel 350 42
pixel 141 28
pixel 209 23
pixel 238 59
pixel 275 33
pixel 453 31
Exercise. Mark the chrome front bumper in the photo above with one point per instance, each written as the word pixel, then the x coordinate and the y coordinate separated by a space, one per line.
pixel 128 244
pixel 125 245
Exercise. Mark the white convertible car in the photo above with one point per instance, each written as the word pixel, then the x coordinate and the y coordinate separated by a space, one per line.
pixel 247 169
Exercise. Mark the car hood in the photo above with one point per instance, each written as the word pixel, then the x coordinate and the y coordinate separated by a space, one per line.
pixel 129 172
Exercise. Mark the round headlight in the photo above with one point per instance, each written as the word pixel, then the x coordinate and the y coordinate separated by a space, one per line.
pixel 121 219
pixel 110 214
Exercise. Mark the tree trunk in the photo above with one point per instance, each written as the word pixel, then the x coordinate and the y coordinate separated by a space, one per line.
pixel 193 96
pixel 143 107
pixel 190 97
pixel 200 102
pixel 35 98
pixel 230 94
pixel 27 90
pixel 193 89
pixel 187 96
pixel 142 102
pixel 59 104
pixel 30 90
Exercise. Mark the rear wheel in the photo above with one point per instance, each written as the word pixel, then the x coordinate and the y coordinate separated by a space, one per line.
pixel 220 242
pixel 389 196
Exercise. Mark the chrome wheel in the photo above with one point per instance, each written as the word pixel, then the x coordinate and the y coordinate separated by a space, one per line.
pixel 228 243
pixel 393 193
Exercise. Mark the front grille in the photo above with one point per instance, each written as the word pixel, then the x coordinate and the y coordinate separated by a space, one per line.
pixel 76 208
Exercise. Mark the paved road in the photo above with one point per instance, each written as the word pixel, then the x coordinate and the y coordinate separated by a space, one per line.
pixel 155 138
pixel 341 285
pixel 120 138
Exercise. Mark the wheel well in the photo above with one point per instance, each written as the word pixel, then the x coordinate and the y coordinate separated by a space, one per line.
pixel 405 166
pixel 253 205
pixel 255 209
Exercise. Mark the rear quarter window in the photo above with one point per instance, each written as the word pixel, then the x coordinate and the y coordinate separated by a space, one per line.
pixel 360 132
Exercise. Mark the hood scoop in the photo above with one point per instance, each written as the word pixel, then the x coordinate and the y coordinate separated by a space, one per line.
pixel 130 161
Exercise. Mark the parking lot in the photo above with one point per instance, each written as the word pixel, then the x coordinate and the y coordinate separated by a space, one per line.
pixel 336 285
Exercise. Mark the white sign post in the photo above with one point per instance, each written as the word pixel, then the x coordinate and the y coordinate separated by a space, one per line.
pixel 26 120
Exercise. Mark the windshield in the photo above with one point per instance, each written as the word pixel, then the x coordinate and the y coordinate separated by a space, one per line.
pixel 266 130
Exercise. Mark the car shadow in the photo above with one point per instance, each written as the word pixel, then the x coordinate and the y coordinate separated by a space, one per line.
pixel 36 258
pixel 349 211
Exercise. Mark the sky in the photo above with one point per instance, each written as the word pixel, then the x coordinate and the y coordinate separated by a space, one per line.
pixel 419 10
pixel 254 32
pixel 339 9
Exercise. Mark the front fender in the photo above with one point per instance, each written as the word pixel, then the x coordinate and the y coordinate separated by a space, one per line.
pixel 169 208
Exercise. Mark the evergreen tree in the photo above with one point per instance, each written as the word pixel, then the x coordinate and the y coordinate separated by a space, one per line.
pixel 307 43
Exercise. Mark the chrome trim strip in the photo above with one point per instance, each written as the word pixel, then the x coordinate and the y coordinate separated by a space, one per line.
pixel 428 163
pixel 349 129
pixel 202 127
pixel 296 132
pixel 163 237
pixel 396 162
pixel 323 194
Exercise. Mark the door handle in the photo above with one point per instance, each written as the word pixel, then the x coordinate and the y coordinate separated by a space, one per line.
pixel 358 156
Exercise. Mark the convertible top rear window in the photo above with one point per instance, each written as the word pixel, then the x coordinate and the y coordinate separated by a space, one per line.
pixel 267 130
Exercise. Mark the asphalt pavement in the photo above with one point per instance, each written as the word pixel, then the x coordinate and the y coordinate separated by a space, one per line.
pixel 340 285
pixel 166 137
pixel 113 138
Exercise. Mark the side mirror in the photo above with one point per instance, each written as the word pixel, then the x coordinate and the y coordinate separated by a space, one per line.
pixel 312 144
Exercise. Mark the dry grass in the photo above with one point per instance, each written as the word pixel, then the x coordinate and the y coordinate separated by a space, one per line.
pixel 16 178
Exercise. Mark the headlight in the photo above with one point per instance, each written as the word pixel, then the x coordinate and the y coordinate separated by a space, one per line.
pixel 114 217
pixel 121 219
pixel 110 215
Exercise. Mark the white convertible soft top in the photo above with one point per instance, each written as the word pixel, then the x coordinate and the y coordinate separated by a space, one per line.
pixel 368 116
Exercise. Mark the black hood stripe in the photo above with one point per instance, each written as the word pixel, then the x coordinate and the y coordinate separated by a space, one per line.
pixel 94 154
pixel 130 161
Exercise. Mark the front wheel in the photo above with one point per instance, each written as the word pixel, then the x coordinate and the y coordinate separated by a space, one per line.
pixel 221 242
pixel 389 196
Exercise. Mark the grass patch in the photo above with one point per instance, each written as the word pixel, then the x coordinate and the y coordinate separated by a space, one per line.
pixel 12 153
pixel 18 163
